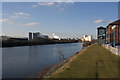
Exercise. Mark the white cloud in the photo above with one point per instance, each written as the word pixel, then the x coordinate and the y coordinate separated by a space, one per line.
pixel 31 24
pixel 46 3
pixel 21 13
pixel 99 21
pixel 58 2
pixel 70 2
pixel 102 21
pixel 6 21
pixel 43 4
pixel 67 1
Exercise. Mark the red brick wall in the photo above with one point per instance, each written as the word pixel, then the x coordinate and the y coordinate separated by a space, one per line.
pixel 110 34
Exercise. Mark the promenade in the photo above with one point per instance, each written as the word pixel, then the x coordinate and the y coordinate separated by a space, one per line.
pixel 93 62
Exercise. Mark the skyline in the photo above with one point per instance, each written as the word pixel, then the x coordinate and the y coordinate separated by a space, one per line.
pixel 63 19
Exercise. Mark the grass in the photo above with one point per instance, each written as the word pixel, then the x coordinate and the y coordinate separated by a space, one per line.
pixel 93 62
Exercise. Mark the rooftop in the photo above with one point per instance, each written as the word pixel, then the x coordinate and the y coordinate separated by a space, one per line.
pixel 101 27
pixel 115 23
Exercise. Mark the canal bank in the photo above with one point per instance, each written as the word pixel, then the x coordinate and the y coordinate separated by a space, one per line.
pixel 93 62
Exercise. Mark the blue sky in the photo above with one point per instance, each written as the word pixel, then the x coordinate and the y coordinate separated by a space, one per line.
pixel 59 0
pixel 72 19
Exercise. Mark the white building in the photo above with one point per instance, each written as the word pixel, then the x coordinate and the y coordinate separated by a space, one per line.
pixel 87 38
pixel 84 36
pixel 55 36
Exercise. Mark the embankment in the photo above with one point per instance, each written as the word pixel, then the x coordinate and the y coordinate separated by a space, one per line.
pixel 32 43
pixel 93 62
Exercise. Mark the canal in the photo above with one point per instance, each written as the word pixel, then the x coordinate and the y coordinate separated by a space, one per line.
pixel 29 61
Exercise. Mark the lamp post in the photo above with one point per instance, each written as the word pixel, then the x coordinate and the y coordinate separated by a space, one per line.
pixel 113 28
pixel 101 41
pixel 104 38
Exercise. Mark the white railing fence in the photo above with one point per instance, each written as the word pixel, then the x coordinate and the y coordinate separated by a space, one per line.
pixel 115 51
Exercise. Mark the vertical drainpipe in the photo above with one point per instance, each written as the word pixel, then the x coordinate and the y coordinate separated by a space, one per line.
pixel 114 37
pixel 105 37
pixel 98 35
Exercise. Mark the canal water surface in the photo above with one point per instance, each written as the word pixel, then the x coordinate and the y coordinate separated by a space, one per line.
pixel 29 61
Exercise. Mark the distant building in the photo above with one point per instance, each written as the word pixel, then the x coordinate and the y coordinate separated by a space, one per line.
pixel 36 36
pixel 84 36
pixel 45 36
pixel 55 36
pixel 30 36
pixel 101 35
pixel 33 36
pixel 87 38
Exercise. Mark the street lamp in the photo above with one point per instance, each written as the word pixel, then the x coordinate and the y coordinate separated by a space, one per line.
pixel 104 38
pixel 113 28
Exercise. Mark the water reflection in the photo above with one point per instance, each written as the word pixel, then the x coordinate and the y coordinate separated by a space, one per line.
pixel 28 61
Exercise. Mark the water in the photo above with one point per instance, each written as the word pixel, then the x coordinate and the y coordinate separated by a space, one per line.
pixel 29 61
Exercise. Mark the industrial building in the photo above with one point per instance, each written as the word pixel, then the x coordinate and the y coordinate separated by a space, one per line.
pixel 36 36
pixel 30 36
pixel 45 36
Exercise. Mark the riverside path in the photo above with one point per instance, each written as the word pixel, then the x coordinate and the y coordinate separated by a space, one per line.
pixel 92 62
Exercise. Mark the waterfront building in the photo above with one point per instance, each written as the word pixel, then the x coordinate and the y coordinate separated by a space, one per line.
pixel 30 36
pixel 101 35
pixel 107 34
pixel 45 36
pixel 36 36
pixel 84 36
pixel 110 32
pixel 87 38
pixel 55 36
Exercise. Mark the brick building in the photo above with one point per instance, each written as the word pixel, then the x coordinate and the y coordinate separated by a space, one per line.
pixel 109 32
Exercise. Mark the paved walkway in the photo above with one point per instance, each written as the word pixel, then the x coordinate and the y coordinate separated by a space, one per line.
pixel 94 62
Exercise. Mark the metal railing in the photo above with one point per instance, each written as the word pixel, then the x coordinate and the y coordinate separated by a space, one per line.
pixel 115 51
